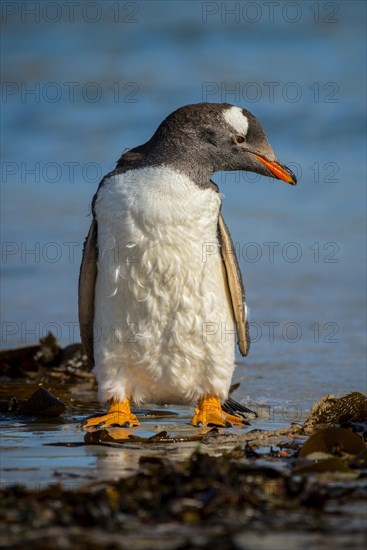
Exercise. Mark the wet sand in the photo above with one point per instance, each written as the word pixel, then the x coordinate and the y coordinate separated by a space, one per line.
pixel 168 485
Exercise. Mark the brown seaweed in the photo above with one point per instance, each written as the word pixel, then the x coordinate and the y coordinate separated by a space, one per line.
pixel 334 441
pixel 126 435
pixel 332 410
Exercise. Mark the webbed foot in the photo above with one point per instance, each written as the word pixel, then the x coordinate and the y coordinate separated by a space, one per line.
pixel 210 413
pixel 118 414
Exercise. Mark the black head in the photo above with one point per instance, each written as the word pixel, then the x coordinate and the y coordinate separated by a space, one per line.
pixel 204 138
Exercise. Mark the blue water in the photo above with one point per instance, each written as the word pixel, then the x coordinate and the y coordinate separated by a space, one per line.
pixel 99 87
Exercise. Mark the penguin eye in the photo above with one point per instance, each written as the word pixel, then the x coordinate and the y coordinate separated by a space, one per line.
pixel 240 139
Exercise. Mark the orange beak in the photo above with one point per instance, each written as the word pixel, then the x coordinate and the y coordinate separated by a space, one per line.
pixel 279 171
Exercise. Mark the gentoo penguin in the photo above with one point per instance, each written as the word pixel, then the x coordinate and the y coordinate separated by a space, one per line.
pixel 160 290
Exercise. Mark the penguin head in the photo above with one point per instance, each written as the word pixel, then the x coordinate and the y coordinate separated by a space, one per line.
pixel 220 137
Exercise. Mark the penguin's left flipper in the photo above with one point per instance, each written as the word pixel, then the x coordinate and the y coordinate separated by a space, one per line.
pixel 236 290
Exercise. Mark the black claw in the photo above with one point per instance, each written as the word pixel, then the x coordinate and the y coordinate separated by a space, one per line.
pixel 231 406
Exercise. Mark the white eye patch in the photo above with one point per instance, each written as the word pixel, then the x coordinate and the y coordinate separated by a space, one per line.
pixel 235 118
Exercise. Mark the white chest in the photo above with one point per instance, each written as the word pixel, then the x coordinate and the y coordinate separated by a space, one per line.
pixel 158 289
pixel 157 200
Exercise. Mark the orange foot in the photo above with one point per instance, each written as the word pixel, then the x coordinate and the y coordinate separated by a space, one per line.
pixel 118 414
pixel 210 413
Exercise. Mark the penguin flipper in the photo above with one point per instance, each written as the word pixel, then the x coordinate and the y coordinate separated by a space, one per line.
pixel 87 280
pixel 235 285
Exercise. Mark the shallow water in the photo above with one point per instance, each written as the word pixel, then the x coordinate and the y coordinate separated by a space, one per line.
pixel 36 453
pixel 300 249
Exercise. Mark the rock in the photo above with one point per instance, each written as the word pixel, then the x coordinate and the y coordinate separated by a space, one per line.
pixel 42 403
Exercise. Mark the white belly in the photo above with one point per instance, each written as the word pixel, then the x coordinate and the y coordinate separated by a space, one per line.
pixel 164 328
